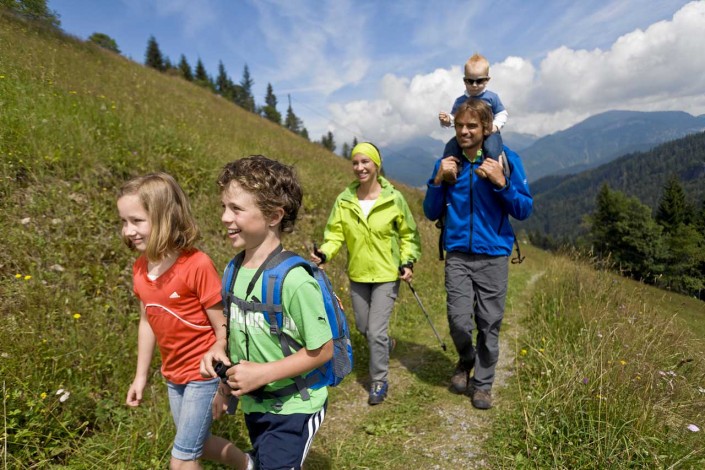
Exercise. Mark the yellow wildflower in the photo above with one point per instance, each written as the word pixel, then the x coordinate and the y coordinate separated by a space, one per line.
pixel 27 277
pixel 76 316
pixel 18 275
pixel 524 352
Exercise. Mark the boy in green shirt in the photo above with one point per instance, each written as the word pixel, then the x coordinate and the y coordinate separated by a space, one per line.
pixel 261 198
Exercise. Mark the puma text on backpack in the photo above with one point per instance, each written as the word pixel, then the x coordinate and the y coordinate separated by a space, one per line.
pixel 273 272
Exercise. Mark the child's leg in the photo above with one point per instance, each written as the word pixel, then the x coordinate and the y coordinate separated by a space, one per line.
pixel 283 441
pixel 493 145
pixel 191 408
pixel 452 148
pixel 224 452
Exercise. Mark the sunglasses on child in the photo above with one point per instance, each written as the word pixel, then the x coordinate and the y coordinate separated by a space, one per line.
pixel 476 81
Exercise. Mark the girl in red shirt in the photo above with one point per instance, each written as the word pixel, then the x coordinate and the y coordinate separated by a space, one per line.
pixel 180 311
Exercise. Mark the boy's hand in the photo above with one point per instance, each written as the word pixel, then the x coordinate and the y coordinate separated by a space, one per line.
pixel 215 354
pixel 444 118
pixel 246 377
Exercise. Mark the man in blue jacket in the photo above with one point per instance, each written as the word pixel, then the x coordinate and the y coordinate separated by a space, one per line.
pixel 475 199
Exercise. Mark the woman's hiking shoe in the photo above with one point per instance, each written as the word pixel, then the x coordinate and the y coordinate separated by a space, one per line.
pixel 378 392
pixel 481 399
pixel 460 379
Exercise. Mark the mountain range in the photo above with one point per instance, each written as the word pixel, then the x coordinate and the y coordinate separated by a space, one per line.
pixel 588 144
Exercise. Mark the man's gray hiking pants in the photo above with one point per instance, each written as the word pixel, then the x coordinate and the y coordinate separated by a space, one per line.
pixel 476 288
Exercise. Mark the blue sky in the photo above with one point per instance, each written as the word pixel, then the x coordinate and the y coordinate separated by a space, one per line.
pixel 382 70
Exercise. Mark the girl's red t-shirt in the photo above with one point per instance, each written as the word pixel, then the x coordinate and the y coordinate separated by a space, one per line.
pixel 176 304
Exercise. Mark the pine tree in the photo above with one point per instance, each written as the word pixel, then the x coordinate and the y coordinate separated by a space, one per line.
pixel 269 110
pixel 354 142
pixel 328 142
pixel 223 84
pixel 153 56
pixel 346 151
pixel 622 227
pixel 292 121
pixel 104 41
pixel 304 133
pixel 245 99
pixel 185 69
pixel 201 76
pixel 673 209
pixel 685 258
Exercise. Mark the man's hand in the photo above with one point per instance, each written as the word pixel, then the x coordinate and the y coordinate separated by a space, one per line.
pixel 492 170
pixel 447 171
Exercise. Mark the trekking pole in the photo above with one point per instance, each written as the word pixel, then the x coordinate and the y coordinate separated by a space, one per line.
pixel 413 291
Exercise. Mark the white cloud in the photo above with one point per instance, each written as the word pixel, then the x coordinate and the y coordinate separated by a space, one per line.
pixel 658 68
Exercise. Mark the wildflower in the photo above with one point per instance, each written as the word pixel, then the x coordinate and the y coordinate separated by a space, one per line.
pixel 18 275
pixel 623 362
pixel 64 394
pixel 43 395
pixel 27 277
pixel 600 397
pixel 543 340
pixel 693 428
pixel 540 350
pixel 585 380
pixel 2 76
pixel 76 316
pixel 524 352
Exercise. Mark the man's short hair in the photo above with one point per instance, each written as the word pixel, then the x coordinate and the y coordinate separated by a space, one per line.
pixel 480 109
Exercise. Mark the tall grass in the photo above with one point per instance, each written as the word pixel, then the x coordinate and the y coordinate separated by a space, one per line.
pixel 604 378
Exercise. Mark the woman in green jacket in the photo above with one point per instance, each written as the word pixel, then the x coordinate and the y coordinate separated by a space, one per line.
pixel 373 219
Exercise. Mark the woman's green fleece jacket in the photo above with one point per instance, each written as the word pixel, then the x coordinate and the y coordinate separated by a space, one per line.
pixel 377 244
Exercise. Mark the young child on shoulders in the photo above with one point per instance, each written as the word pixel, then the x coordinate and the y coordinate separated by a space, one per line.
pixel 261 199
pixel 477 75
pixel 180 311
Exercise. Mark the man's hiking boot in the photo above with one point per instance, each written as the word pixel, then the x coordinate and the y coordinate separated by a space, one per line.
pixel 378 392
pixel 460 379
pixel 481 399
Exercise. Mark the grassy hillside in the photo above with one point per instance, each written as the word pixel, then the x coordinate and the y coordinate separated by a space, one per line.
pixel 76 121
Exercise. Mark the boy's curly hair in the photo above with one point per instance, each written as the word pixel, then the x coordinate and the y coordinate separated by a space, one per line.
pixel 272 183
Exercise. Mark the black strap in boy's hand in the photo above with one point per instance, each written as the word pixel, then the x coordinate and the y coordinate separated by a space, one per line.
pixel 319 253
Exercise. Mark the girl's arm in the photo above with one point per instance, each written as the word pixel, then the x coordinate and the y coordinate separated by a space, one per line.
pixel 217 351
pixel 248 376
pixel 145 350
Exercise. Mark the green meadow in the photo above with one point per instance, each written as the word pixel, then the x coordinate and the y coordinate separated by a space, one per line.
pixel 597 371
